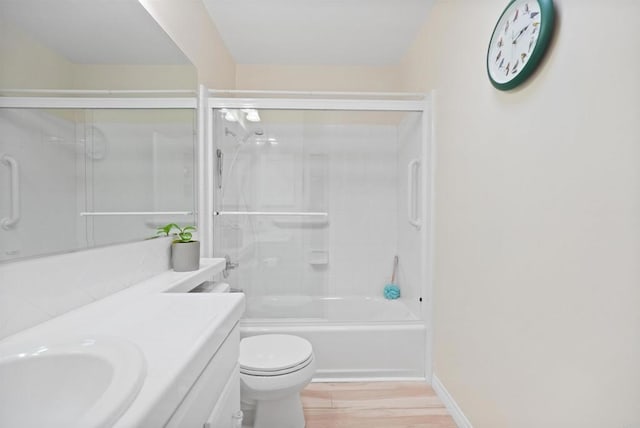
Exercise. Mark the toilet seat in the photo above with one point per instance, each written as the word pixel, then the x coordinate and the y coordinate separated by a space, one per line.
pixel 305 363
pixel 274 354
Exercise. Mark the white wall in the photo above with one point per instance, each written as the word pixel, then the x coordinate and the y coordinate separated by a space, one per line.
pixel 537 219
pixel 34 291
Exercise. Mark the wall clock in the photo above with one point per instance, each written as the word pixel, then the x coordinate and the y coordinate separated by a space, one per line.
pixel 519 42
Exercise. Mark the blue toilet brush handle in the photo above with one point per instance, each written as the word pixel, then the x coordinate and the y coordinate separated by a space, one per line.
pixel 395 269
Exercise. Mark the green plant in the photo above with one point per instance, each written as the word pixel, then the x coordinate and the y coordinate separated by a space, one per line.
pixel 183 234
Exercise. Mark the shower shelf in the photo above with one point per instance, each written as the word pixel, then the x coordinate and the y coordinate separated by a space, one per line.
pixel 318 257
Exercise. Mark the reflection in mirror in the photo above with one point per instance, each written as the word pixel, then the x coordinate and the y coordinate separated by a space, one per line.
pixel 72 179
pixel 77 178
pixel 90 44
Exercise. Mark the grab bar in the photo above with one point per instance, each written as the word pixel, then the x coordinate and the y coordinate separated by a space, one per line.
pixel 219 166
pixel 8 222
pixel 278 213
pixel 110 213
pixel 412 196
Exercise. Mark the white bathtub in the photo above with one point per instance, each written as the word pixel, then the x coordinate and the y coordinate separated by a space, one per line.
pixel 354 338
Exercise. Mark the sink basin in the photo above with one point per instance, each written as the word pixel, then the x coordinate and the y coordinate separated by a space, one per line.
pixel 84 383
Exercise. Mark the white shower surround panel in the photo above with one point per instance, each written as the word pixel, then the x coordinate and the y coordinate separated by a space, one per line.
pixel 363 211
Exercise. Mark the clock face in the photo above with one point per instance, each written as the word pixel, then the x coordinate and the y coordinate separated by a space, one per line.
pixel 518 41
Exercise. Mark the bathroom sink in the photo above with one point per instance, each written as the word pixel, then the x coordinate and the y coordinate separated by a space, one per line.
pixel 84 383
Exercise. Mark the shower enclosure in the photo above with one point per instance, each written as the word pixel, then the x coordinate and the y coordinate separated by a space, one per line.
pixel 79 172
pixel 313 198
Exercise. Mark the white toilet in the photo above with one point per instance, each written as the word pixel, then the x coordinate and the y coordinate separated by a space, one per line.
pixel 274 368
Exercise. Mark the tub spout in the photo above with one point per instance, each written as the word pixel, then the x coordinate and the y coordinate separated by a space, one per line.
pixel 229 266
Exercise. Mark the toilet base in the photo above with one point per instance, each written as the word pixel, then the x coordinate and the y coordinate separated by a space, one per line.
pixel 283 413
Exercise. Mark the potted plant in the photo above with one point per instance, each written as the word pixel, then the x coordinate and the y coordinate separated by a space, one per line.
pixel 185 252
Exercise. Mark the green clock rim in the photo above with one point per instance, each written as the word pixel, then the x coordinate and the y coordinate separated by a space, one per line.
pixel 547 13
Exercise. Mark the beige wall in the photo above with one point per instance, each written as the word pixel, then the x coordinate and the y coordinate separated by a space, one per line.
pixel 25 63
pixel 188 24
pixel 317 78
pixel 537 255
pixel 138 77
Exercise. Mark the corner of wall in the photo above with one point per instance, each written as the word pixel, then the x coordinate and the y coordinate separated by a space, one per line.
pixel 188 24
pixel 450 403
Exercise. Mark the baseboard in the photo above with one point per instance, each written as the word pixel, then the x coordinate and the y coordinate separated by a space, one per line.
pixel 456 413
pixel 368 379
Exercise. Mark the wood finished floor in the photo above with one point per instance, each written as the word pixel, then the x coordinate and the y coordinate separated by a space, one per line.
pixel 374 405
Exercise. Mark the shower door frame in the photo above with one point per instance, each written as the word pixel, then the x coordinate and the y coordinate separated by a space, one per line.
pixel 423 103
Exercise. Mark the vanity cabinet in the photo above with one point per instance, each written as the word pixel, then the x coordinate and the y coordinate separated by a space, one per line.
pixel 214 398
pixel 226 413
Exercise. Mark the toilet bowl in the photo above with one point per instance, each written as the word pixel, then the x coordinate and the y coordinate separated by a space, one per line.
pixel 274 368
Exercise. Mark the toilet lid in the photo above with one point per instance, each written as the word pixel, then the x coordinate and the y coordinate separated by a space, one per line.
pixel 273 352
pixel 267 373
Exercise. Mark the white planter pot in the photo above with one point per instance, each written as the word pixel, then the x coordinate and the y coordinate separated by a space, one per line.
pixel 185 256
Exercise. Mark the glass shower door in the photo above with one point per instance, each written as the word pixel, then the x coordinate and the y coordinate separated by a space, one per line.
pixel 313 206
pixel 272 216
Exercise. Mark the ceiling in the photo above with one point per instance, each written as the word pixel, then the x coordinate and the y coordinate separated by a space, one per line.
pixel 315 32
pixel 94 32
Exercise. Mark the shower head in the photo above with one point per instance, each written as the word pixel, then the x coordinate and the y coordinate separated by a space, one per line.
pixel 256 132
pixel 249 133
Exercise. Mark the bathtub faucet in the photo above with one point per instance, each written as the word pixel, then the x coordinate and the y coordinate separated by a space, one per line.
pixel 228 266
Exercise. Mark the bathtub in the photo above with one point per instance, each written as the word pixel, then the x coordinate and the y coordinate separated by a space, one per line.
pixel 354 338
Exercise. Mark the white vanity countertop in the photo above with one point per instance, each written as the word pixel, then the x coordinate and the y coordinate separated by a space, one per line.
pixel 177 333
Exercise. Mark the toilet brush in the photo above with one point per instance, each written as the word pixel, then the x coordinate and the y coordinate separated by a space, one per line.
pixel 391 290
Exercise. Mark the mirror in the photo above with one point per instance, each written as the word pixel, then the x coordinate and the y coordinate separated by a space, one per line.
pixel 76 178
pixel 88 44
